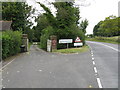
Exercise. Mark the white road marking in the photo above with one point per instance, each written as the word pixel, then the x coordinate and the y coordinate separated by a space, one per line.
pixel 91 53
pixel 7 65
pixel 95 69
pixel 99 83
pixel 18 71
pixel 3 87
pixel 93 62
pixel 39 70
pixel 106 46
pixel 1 79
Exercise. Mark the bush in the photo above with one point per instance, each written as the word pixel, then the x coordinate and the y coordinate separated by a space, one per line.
pixel 11 42
pixel 30 33
pixel 46 33
pixel 66 33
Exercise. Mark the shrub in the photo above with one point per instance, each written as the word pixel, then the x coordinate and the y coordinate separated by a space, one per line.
pixel 11 42
pixel 46 33
pixel 66 33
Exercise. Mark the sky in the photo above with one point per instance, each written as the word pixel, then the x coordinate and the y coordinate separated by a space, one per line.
pixel 92 10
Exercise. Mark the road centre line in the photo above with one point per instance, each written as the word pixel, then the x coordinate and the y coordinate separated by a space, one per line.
pixel 93 62
pixel 99 83
pixel 95 69
pixel 92 58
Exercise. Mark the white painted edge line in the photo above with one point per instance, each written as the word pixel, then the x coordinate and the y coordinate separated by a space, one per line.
pixel 95 69
pixel 106 46
pixel 99 83
pixel 7 64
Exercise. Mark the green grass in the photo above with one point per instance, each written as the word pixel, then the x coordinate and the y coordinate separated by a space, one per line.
pixel 73 50
pixel 114 40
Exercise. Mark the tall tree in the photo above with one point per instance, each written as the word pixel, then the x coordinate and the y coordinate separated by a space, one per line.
pixel 42 23
pixel 17 12
pixel 95 30
pixel 67 14
pixel 83 25
pixel 51 19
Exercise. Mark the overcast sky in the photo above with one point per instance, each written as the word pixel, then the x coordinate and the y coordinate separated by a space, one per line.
pixel 93 10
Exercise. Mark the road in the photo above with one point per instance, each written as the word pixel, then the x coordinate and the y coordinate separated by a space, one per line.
pixel 105 56
pixel 97 68
pixel 39 69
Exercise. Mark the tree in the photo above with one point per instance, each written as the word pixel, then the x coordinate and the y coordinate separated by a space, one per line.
pixel 108 28
pixel 42 23
pixel 17 12
pixel 51 19
pixel 83 25
pixel 64 25
pixel 95 30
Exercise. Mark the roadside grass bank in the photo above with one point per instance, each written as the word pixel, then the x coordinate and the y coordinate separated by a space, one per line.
pixel 113 40
pixel 73 50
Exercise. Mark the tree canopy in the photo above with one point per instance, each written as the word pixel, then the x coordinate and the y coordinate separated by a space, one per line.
pixel 18 13
pixel 83 25
pixel 63 25
pixel 109 27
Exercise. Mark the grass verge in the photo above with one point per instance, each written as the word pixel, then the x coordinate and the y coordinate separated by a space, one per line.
pixel 73 50
pixel 113 40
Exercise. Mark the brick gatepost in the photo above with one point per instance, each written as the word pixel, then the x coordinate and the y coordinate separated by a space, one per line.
pixel 53 39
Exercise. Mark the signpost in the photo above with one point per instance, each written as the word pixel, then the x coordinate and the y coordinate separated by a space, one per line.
pixel 78 42
pixel 66 41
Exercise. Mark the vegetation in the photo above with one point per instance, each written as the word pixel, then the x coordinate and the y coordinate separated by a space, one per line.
pixel 64 25
pixel 73 50
pixel 108 28
pixel 11 42
pixel 114 40
pixel 18 13
pixel 83 25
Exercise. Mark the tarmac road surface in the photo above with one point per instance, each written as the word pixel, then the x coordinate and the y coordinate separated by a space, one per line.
pixel 40 69
pixel 105 56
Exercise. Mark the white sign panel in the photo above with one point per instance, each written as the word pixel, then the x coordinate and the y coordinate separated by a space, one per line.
pixel 78 44
pixel 49 45
pixel 65 41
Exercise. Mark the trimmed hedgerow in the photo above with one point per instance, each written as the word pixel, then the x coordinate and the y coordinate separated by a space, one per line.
pixel 11 42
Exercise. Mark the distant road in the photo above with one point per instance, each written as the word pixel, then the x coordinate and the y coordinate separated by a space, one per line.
pixel 105 56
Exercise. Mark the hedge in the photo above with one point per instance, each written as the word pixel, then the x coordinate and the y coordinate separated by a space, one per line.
pixel 11 42
pixel 66 33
